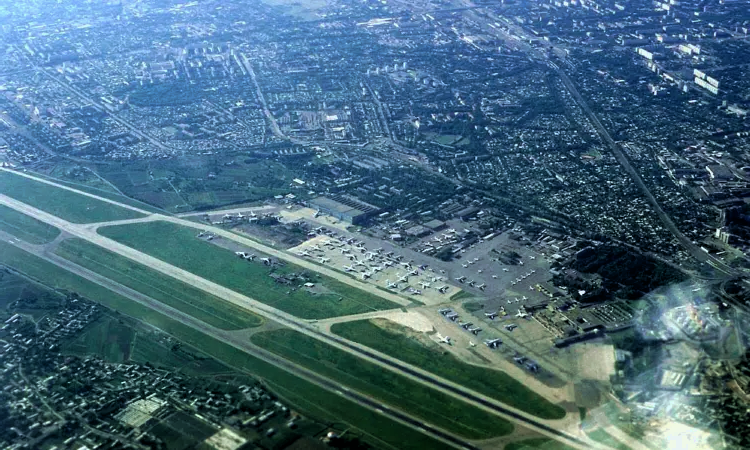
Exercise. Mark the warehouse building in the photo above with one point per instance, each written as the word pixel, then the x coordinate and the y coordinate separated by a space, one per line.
pixel 345 208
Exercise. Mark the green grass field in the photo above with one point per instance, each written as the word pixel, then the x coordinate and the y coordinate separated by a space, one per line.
pixel 493 383
pixel 107 337
pixel 114 196
pixel 431 405
pixel 379 431
pixel 60 202
pixel 179 246
pixel 26 228
pixel 537 443
pixel 34 299
pixel 607 439
pixel 179 295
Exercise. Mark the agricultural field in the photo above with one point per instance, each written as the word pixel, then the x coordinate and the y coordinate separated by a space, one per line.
pixel 376 430
pixel 493 383
pixel 60 202
pixel 431 405
pixel 195 302
pixel 26 228
pixel 179 246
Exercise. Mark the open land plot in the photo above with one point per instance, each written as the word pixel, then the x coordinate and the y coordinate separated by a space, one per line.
pixel 178 245
pixel 601 436
pixel 429 404
pixel 26 228
pixel 65 204
pixel 537 443
pixel 193 301
pixel 378 430
pixel 493 383
pixel 181 431
pixel 108 337
pixel 374 267
pixel 32 298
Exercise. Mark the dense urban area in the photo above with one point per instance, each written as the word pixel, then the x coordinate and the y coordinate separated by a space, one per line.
pixel 375 224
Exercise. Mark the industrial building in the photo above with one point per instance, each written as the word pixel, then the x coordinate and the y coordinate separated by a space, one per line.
pixel 345 208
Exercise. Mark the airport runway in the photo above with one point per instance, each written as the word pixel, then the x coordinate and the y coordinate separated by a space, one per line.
pixel 550 428
pixel 238 342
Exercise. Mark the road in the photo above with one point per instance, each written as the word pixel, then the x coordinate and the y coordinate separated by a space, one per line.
pixel 236 341
pixel 550 428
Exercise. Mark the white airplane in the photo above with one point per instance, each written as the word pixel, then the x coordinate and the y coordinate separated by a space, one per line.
pixel 524 298
pixel 532 257
pixel 493 343
pixel 464 265
pixel 509 302
pixel 345 250
pixel 444 311
pixel 424 285
pixel 531 288
pixel 350 268
pixel 472 344
pixel 387 264
pixel 475 331
pixel 324 260
pixel 404 279
pixel 443 289
pixel 377 269
pixel 303 253
pixel 366 275
pixel 414 272
pixel 481 286
pixel 240 215
pixel 471 262
pixel 444 339
pixel 359 263
pixel 494 277
pixel 241 254
pixel 391 285
pixel 491 315
pixel 201 234
pixel 266 260
pixel 416 292
pixel 461 279
pixel 406 265
pixel 505 270
pixel 512 283
pixel 522 315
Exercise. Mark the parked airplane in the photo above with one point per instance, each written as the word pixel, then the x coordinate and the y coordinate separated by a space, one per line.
pixel 201 234
pixel 519 359
pixel 414 272
pixel 522 315
pixel 443 289
pixel 452 316
pixel 465 325
pixel 404 278
pixel 481 286
pixel 511 327
pixel 444 339
pixel 532 366
pixel 532 257
pixel 350 268
pixel 324 260
pixel 444 311
pixel 377 269
pixel 366 275
pixel 475 331
pixel 461 279
pixel 491 315
pixel 391 285
pixel 416 292
pixel 464 265
pixel 424 285
pixel 524 298
pixel 303 253
pixel 242 255
pixel 266 261
pixel 505 270
pixel 472 344
pixel 493 343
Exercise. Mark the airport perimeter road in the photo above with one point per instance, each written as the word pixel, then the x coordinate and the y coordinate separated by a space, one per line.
pixel 548 428
pixel 238 342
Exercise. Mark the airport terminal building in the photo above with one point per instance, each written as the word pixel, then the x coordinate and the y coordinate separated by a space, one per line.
pixel 345 208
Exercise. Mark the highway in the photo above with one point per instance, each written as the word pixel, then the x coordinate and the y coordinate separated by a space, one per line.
pixel 548 428
pixel 238 342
